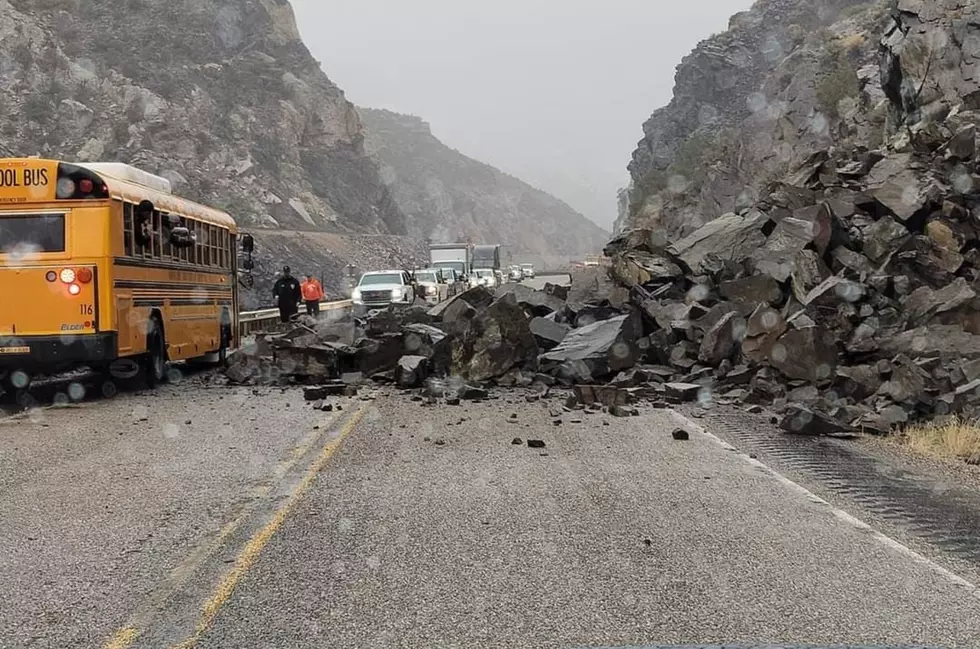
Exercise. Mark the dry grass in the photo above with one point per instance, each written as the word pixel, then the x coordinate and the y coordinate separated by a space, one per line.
pixel 953 439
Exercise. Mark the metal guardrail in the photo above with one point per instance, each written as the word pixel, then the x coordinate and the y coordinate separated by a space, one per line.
pixel 251 321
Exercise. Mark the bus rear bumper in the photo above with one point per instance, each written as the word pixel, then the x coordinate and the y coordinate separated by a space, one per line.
pixel 33 353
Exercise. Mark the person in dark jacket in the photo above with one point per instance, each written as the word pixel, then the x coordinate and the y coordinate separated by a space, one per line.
pixel 287 295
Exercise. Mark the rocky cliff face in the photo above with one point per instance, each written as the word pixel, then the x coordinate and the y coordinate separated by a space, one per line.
pixel 220 96
pixel 845 294
pixel 446 196
pixel 788 78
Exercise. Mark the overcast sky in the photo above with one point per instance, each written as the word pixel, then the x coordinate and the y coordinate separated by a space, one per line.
pixel 552 91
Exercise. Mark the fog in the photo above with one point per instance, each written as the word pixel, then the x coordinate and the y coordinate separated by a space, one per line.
pixel 554 92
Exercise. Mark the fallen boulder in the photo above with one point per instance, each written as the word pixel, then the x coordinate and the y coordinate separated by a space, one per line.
pixel 604 347
pixel 411 371
pixel 800 420
pixel 548 333
pixel 498 339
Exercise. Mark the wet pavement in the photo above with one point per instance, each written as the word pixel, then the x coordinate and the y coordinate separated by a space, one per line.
pixel 208 516
pixel 930 512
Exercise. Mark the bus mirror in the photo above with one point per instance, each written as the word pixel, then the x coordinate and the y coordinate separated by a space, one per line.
pixel 181 237
pixel 248 243
pixel 248 264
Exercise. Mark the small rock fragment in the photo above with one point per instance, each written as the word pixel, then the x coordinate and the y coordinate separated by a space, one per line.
pixel 680 434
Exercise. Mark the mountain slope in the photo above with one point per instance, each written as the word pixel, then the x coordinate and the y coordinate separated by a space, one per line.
pixel 447 196
pixel 788 78
pixel 220 96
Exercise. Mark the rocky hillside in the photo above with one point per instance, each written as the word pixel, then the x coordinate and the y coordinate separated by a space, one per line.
pixel 845 295
pixel 447 196
pixel 219 96
pixel 788 78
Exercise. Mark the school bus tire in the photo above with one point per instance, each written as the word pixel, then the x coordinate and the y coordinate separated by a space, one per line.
pixel 156 352
pixel 226 338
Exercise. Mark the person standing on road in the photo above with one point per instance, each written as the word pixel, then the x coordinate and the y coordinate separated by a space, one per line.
pixel 312 295
pixel 287 295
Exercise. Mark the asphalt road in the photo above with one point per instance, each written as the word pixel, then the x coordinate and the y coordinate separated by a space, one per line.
pixel 540 280
pixel 393 524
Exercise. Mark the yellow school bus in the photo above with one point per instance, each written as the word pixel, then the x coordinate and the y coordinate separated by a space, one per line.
pixel 102 265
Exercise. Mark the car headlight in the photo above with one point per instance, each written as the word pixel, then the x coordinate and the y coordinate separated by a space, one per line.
pixel 356 294
pixel 431 290
pixel 397 293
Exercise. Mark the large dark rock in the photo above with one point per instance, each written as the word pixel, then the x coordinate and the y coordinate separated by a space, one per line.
pixel 411 371
pixel 808 354
pixel 537 303
pixel 727 237
pixel 548 333
pixel 808 272
pixel 556 290
pixel 907 381
pixel 925 303
pixel 373 355
pixel 643 267
pixel 762 330
pixel 478 297
pixel 720 341
pixel 884 237
pixel 903 190
pixel 644 239
pixel 604 347
pixel 800 420
pixel 497 340
pixel 775 257
pixel 755 289
pixel 927 262
pixel 430 342
pixel 857 382
pixel 854 261
pixel 963 145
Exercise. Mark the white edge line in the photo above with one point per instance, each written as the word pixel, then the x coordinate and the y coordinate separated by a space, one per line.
pixel 857 523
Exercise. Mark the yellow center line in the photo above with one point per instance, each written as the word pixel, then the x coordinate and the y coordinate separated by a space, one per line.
pixel 250 552
pixel 124 637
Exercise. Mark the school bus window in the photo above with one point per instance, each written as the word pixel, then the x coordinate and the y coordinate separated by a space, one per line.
pixel 198 243
pixel 216 253
pixel 157 235
pixel 224 249
pixel 168 249
pixel 128 229
pixel 192 251
pixel 208 242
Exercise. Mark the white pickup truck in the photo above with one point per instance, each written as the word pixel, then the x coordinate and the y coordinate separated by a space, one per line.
pixel 379 289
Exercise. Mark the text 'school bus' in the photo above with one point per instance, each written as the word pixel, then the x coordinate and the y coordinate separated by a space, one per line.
pixel 101 265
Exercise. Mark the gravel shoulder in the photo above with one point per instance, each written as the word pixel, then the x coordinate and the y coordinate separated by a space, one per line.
pixel 611 535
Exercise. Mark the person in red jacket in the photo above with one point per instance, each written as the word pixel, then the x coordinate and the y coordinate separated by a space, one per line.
pixel 312 295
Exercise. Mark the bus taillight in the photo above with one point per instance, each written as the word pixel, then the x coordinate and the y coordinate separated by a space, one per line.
pixel 78 183
pixel 74 289
pixel 67 275
pixel 84 275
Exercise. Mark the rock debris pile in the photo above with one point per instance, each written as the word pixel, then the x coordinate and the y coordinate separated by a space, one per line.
pixel 845 299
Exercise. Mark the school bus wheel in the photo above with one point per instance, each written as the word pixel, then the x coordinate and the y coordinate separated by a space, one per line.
pixel 156 356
